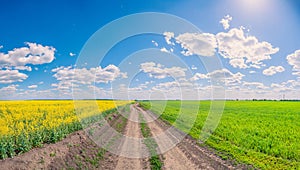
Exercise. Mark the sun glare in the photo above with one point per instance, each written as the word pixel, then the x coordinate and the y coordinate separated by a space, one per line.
pixel 254 6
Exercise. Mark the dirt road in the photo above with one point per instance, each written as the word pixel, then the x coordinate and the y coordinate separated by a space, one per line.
pixel 78 151
pixel 131 147
pixel 179 152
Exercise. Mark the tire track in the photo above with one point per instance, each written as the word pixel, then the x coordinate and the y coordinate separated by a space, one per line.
pixel 174 159
pixel 131 147
pixel 185 152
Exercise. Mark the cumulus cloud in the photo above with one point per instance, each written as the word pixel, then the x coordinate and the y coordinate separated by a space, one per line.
pixel 255 85
pixel 168 37
pixel 194 67
pixel 179 89
pixel 222 75
pixel 280 87
pixel 164 50
pixel 1 46
pixel 275 85
pixel 199 76
pixel 296 74
pixel 26 68
pixel 225 21
pixel 69 75
pixel 11 76
pixel 32 86
pixel 80 80
pixel 18 59
pixel 32 54
pixel 273 70
pixel 174 86
pixel 72 54
pixel 294 60
pixel 286 86
pixel 227 75
pixel 159 72
pixel 166 85
pixel 238 63
pixel 292 83
pixel 244 51
pixel 203 44
pixel 155 43
pixel 8 91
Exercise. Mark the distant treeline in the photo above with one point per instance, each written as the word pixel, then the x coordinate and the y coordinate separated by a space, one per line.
pixel 292 100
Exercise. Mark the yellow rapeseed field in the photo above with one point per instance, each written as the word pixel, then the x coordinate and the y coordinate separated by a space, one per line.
pixel 27 124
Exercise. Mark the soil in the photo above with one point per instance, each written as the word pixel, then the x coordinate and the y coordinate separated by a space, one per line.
pixel 78 151
pixel 131 147
pixel 183 155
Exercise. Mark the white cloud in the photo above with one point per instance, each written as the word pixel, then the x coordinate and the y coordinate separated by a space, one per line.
pixel 164 50
pixel 290 88
pixel 32 86
pixel 69 75
pixel 166 85
pixel 33 54
pixel 11 76
pixel 257 66
pixel 238 62
pixel 159 72
pixel 255 85
pixel 280 88
pixel 64 86
pixel 80 81
pixel 72 54
pixel 194 67
pixel 225 21
pixel 199 76
pixel 222 75
pixel 274 85
pixel 292 83
pixel 296 74
pixel 294 60
pixel 168 37
pixel 8 91
pixel 244 51
pixel 155 43
pixel 273 70
pixel 203 44
pixel 18 59
pixel 27 68
pixel 179 89
pixel 228 76
pixel 252 72
pixel 1 46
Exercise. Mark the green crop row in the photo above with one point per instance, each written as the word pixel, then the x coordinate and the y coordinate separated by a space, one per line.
pixel 265 134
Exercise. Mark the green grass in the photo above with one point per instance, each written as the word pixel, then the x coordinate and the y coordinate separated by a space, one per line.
pixel 265 134
pixel 155 161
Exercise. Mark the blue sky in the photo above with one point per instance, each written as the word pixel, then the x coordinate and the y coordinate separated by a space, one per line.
pixel 41 43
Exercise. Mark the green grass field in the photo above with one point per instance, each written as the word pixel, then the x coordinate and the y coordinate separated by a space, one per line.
pixel 265 134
